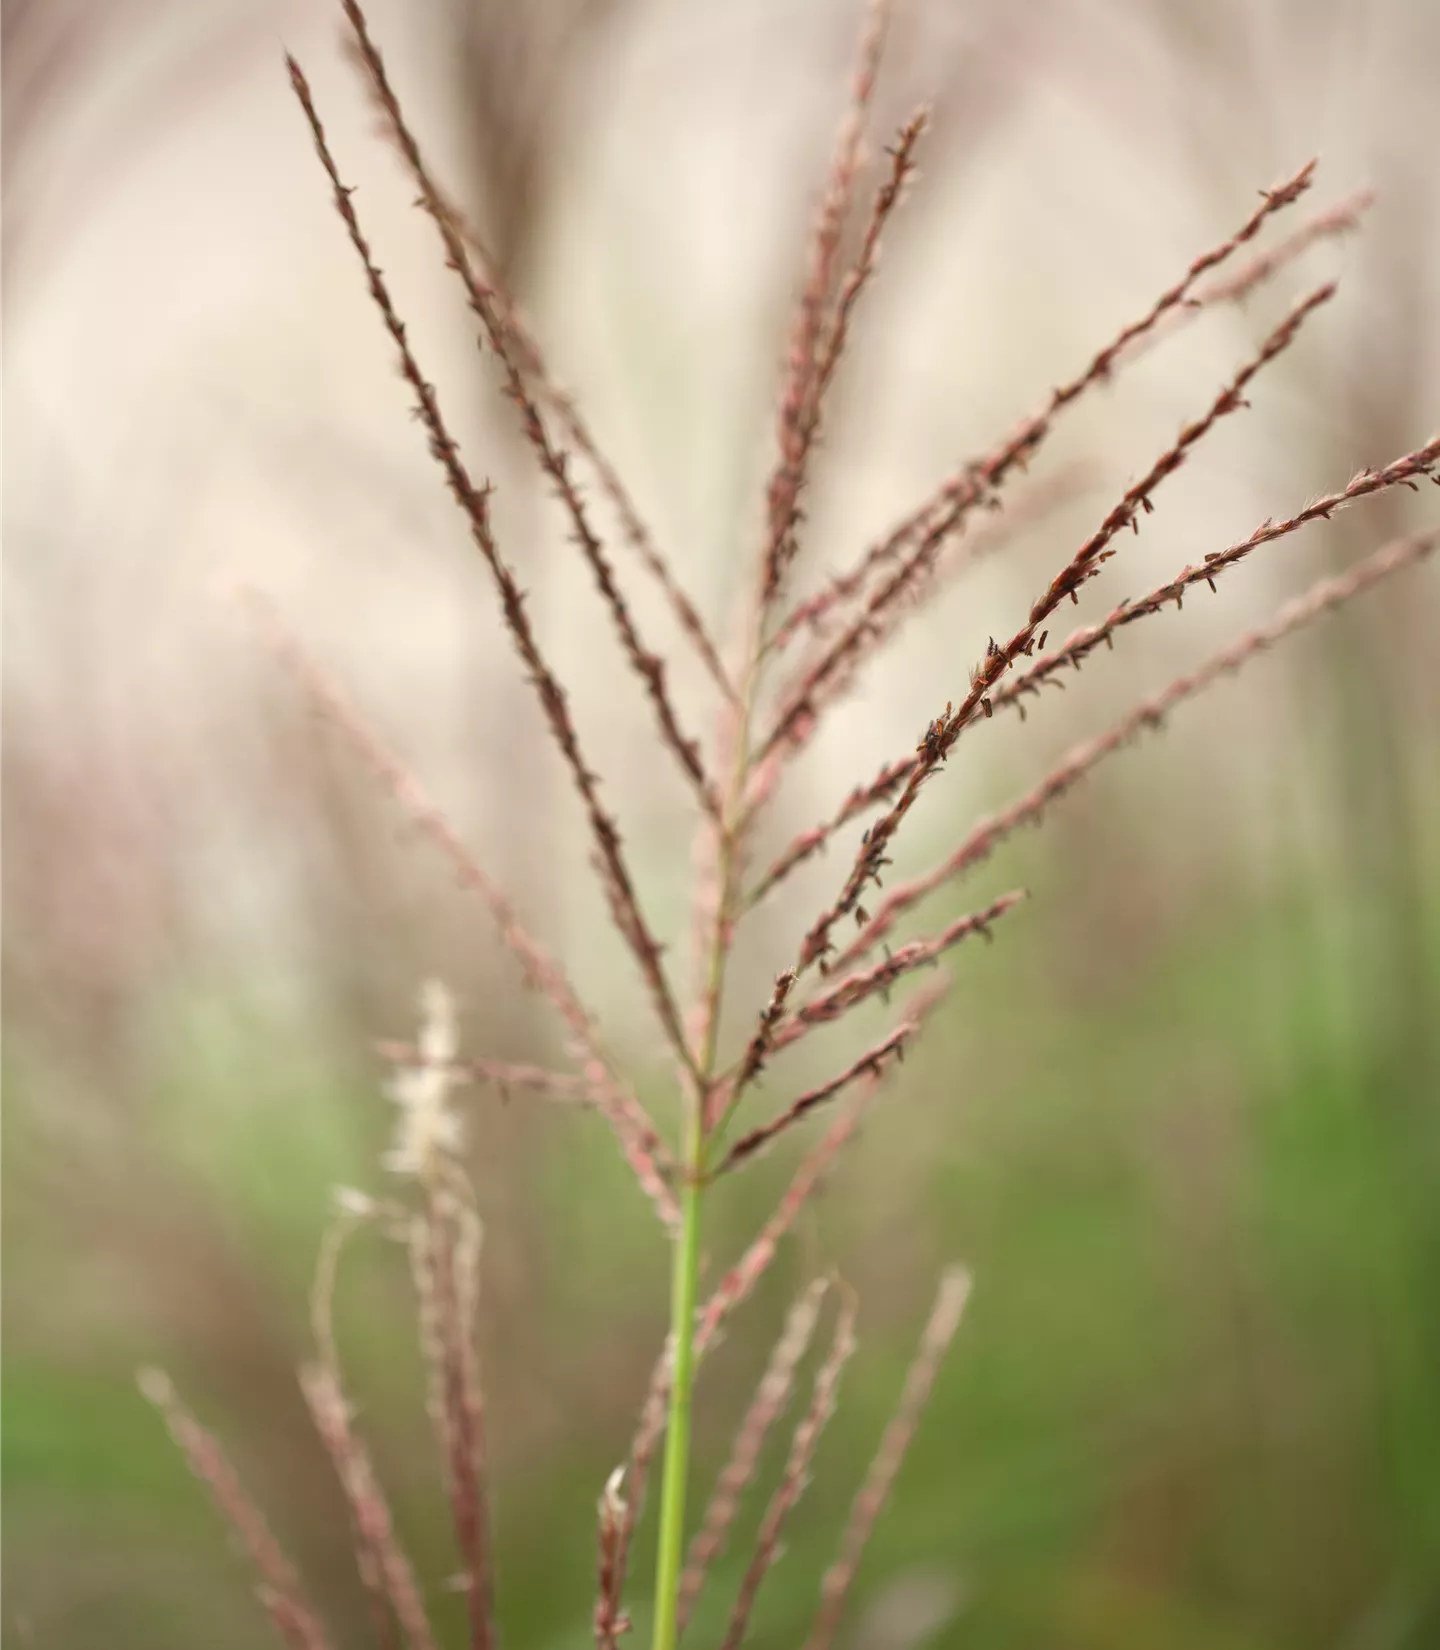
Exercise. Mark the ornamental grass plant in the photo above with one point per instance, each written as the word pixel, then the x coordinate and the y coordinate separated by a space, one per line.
pixel 778 669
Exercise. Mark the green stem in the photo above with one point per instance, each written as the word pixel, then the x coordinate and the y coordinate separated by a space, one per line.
pixel 685 1269
pixel 684 1289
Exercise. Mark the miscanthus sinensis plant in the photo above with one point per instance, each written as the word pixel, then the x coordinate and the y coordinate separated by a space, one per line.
pixel 792 664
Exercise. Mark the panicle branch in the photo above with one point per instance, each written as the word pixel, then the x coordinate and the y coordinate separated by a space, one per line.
pixel 554 462
pixel 977 481
pixel 280 1590
pixel 503 1075
pixel 610 1621
pixel 737 1284
pixel 857 988
pixel 1403 472
pixel 1148 716
pixel 771 1397
pixel 946 729
pixel 530 359
pixel 474 502
pixel 887 198
pixel 939 1331
pixel 643 1147
pixel 796 1476
pixel 884 624
pixel 799 400
pixel 384 1565
pixel 881 788
pixel 872 1063
pixel 733 1290
pixel 444 1241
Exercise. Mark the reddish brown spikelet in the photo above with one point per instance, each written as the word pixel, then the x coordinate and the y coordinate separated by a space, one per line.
pixel 872 1063
pixel 619 887
pixel 1150 714
pixel 553 462
pixel 796 1475
pixel 1335 221
pixel 280 1591
pixel 998 659
pixel 807 415
pixel 738 1283
pixel 1403 472
pixel 939 1331
pixel 527 353
pixel 799 408
pixel 954 556
pixel 643 1147
pixel 864 797
pixel 977 480
pixel 763 1040
pixel 857 988
pixel 862 634
pixel 771 1397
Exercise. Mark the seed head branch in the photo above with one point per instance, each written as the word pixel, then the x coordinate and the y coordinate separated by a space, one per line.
pixel 976 482
pixel 528 355
pixel 447 1316
pixel 939 1331
pixel 799 410
pixel 554 462
pixel 474 502
pixel 946 729
pixel 1403 472
pixel 392 1576
pixel 1149 716
pixel 739 1283
pixel 887 620
pixel 643 1148
pixel 887 198
pixel 280 1590
pixel 502 1075
pixel 890 1048
pixel 771 1397
pixel 796 1475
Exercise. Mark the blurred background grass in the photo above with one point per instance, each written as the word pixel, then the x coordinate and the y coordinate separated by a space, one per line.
pixel 1180 1118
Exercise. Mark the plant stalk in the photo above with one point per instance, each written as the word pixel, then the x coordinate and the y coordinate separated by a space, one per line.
pixel 684 1290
